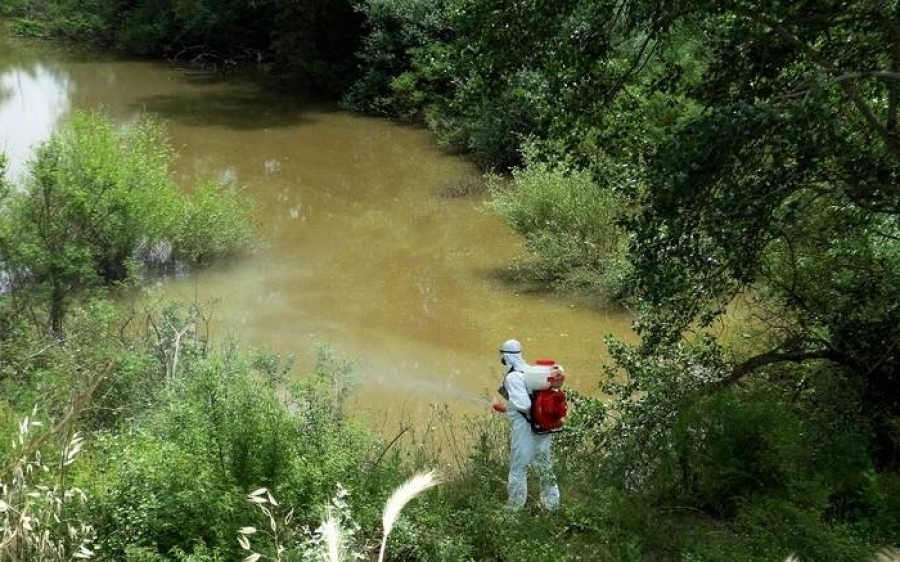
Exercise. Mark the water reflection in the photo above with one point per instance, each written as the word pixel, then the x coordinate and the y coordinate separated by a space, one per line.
pixel 32 100
pixel 235 108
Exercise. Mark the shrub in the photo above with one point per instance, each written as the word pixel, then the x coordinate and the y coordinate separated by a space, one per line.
pixel 27 27
pixel 570 224
pixel 213 224
pixel 226 418
pixel 100 195
pixel 158 496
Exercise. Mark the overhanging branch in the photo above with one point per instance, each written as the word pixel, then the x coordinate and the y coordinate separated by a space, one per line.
pixel 775 356
pixel 848 87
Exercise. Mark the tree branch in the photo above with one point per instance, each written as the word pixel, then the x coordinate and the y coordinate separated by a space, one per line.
pixel 774 356
pixel 849 88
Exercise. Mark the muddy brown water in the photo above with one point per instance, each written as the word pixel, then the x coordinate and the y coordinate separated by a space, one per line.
pixel 361 252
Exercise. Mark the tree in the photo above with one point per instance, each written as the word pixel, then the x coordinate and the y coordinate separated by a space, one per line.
pixel 100 201
pixel 402 58
pixel 314 42
pixel 785 184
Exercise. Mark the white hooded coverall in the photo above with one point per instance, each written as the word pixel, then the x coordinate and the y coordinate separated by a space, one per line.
pixel 526 448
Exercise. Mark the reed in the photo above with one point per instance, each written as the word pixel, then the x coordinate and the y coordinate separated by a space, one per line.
pixel 401 496
pixel 330 541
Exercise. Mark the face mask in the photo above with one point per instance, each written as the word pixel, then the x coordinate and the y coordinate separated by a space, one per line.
pixel 502 360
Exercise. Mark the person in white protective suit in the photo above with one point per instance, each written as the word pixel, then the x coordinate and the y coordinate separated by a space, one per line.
pixel 526 448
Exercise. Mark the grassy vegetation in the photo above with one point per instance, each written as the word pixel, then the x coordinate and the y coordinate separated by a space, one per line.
pixel 153 435
pixel 146 461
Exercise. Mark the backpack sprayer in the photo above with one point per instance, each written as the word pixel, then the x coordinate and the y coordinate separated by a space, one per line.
pixel 549 407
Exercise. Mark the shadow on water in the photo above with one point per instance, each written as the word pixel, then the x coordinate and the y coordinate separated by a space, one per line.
pixel 235 102
pixel 523 278
pixel 533 279
pixel 230 110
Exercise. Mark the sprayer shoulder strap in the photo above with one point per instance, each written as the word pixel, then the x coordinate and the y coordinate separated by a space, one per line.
pixel 502 391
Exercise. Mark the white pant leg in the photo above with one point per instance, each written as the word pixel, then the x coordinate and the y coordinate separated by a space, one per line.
pixel 521 453
pixel 543 464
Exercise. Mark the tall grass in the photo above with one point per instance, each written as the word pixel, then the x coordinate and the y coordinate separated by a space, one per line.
pixel 332 541
pixel 34 501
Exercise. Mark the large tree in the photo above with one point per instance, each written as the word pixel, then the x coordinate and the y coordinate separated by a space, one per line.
pixel 785 185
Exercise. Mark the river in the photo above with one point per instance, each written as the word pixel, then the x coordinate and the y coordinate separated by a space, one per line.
pixel 361 250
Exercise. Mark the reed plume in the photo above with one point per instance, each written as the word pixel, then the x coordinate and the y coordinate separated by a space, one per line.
pixel 401 496
pixel 331 531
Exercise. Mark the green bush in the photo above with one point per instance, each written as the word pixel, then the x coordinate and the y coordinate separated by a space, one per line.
pixel 27 27
pixel 213 224
pixel 99 202
pixel 570 224
pixel 774 528
pixel 494 129
pixel 226 420
pixel 220 413
pixel 425 86
pixel 157 495
pixel 884 492
pixel 97 344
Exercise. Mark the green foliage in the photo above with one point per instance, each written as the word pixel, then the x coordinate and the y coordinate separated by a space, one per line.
pixel 775 528
pixel 179 431
pixel 784 183
pixel 183 29
pixel 885 494
pixel 570 223
pixel 233 428
pixel 130 376
pixel 418 92
pixel 28 28
pixel 88 21
pixel 100 198
pixel 311 42
pixel 402 55
pixel 147 501
pixel 164 27
pixel 797 457
pixel 237 425
pixel 495 128
pixel 561 75
pixel 212 224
